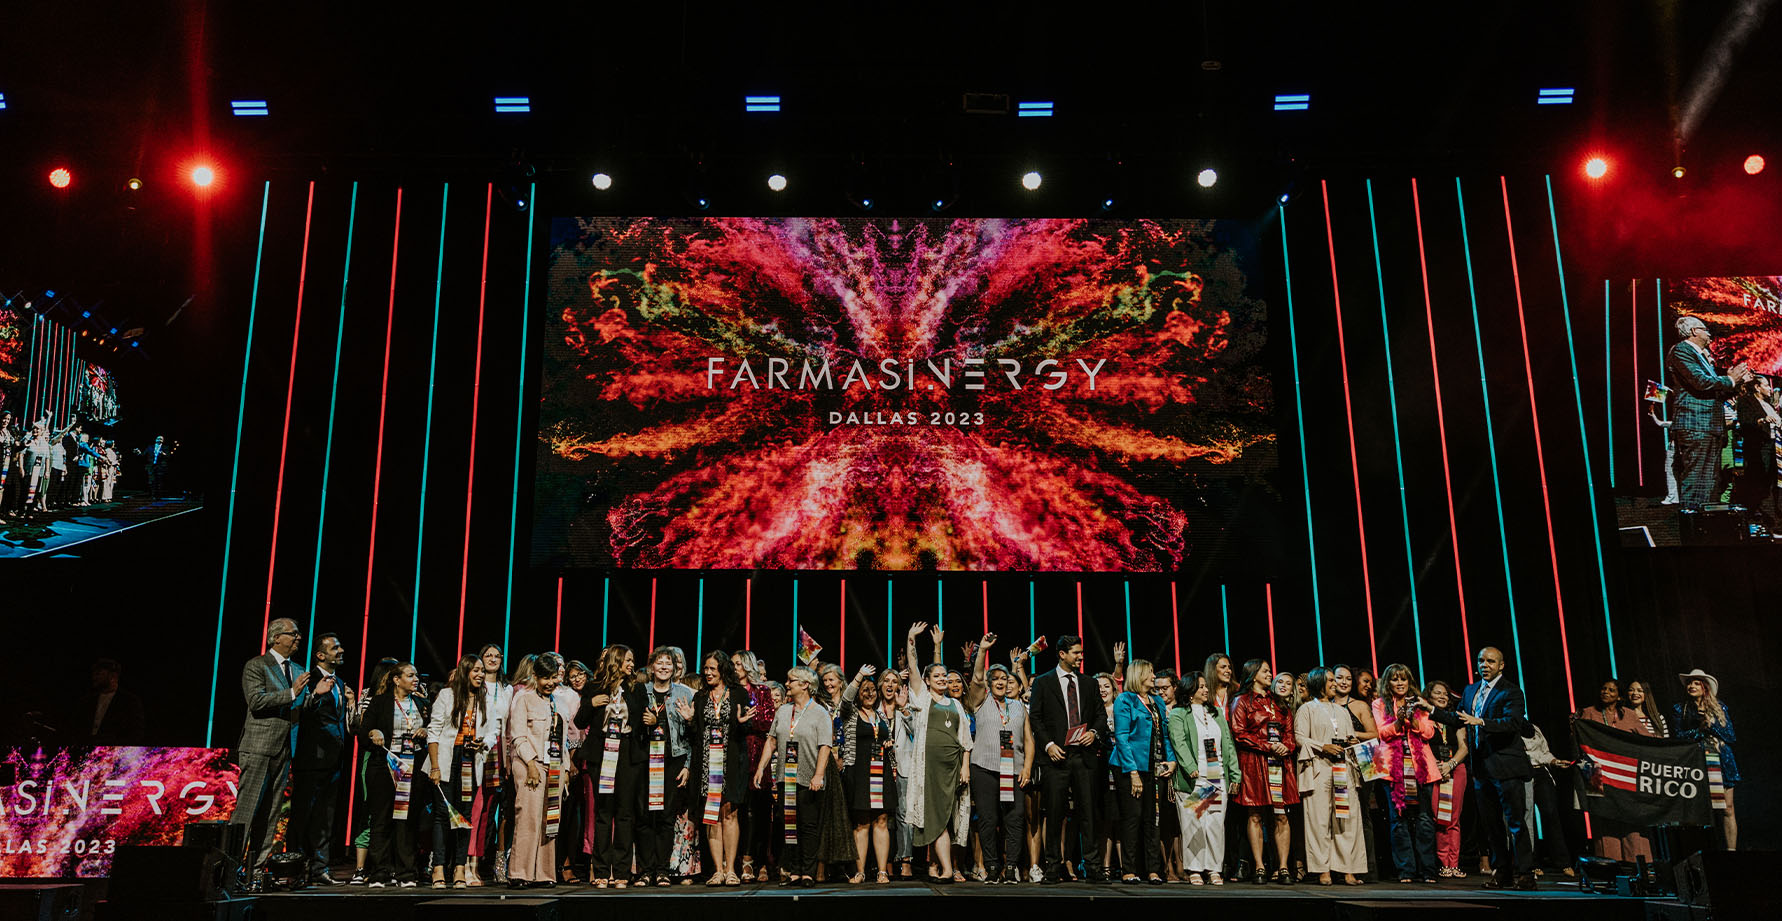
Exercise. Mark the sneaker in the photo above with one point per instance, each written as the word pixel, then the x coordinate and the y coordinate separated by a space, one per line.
pixel 358 878
pixel 408 884
pixel 375 884
pixel 1035 874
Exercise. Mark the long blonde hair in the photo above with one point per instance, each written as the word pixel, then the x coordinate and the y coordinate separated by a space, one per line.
pixel 607 674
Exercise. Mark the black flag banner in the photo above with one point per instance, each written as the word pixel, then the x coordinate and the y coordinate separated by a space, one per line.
pixel 1640 780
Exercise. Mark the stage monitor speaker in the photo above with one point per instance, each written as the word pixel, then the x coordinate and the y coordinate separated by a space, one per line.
pixel 222 835
pixel 170 874
pixel 1713 527
pixel 466 909
pixel 1732 885
pixel 40 901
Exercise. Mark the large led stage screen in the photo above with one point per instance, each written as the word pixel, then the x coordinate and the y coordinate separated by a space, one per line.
pixel 896 394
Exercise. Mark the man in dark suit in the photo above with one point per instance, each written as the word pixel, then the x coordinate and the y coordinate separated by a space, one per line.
pixel 323 726
pixel 1698 421
pixel 1494 716
pixel 276 694
pixel 1065 702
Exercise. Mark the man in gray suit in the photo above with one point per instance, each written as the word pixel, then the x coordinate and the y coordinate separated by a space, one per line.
pixel 275 694
pixel 1698 430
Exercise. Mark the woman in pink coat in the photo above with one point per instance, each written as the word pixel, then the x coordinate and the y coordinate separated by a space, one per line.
pixel 1403 757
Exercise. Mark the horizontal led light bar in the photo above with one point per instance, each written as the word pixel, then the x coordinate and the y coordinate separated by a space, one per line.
pixel 1561 96
pixel 1293 103
pixel 249 107
pixel 761 103
pixel 513 103
pixel 1033 110
pixel 2 100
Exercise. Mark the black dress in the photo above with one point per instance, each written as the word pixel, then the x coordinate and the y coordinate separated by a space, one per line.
pixel 871 731
pixel 706 721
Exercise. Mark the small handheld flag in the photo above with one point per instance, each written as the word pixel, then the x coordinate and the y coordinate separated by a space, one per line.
pixel 1656 393
pixel 1036 647
pixel 807 648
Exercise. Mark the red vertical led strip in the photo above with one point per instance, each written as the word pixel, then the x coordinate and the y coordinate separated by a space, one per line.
pixel 1175 624
pixel 1079 619
pixel 1633 361
pixel 557 637
pixel 986 585
pixel 377 471
pixel 748 610
pixel 1435 370
pixel 1268 590
pixel 1367 587
pixel 652 612
pixel 1534 417
pixel 476 384
pixel 278 494
pixel 842 654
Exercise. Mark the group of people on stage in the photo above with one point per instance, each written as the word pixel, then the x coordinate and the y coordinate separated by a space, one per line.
pixel 43 468
pixel 653 770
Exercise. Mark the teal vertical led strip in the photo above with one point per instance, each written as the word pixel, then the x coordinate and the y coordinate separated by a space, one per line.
pixel 216 659
pixel 513 515
pixel 1305 469
pixel 1608 384
pixel 1131 651
pixel 1225 614
pixel 1032 622
pixel 315 580
pixel 1503 537
pixel 699 631
pixel 940 611
pixel 414 632
pixel 606 597
pixel 1398 451
pixel 1596 531
pixel 890 636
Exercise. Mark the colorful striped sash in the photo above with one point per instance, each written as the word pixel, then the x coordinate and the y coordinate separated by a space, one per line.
pixel 1005 767
pixel 466 758
pixel 714 777
pixel 789 792
pixel 1277 792
pixel 658 796
pixel 1444 811
pixel 1716 780
pixel 402 768
pixel 1339 787
pixel 875 769
pixel 554 778
pixel 492 766
pixel 609 763
pixel 1408 764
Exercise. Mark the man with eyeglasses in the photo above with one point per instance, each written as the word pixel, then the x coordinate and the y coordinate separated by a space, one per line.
pixel 275 693
pixel 1698 421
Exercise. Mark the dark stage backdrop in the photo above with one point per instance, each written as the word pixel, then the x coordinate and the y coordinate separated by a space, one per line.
pixel 1436 383
pixel 902 394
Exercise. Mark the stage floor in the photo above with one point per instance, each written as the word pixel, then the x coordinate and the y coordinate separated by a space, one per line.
pixel 904 900
pixel 60 532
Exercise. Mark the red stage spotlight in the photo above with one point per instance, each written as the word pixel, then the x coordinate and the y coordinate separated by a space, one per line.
pixel 60 177
pixel 203 176
pixel 1753 165
pixel 1596 167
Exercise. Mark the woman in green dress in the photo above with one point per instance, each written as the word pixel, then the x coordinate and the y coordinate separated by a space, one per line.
pixel 939 765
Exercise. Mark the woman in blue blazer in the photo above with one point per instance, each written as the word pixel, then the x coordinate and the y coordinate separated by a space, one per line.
pixel 1143 760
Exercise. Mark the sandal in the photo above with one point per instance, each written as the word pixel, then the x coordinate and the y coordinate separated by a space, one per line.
pixel 460 884
pixel 602 884
pixel 858 878
pixel 731 880
pixel 748 868
pixel 718 877
pixel 1214 879
pixel 886 877
pixel 1194 878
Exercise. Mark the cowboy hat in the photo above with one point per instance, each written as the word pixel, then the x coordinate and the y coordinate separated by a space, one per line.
pixel 1713 682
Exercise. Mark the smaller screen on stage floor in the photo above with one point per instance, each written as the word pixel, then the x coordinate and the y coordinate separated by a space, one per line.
pixel 1710 420
pixel 896 394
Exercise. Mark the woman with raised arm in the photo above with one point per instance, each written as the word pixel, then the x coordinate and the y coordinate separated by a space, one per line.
pixel 1405 759
pixel 1144 761
pixel 458 740
pixel 868 769
pixel 1329 784
pixel 1001 764
pixel 939 756
pixel 801 742
pixel 1449 746
pixel 1206 776
pixel 611 755
pixel 1266 745
pixel 538 760
pixel 894 706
